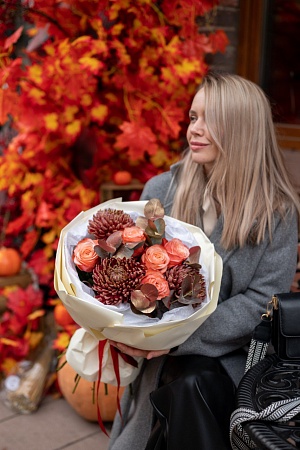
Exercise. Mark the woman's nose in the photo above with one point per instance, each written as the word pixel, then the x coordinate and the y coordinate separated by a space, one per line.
pixel 197 128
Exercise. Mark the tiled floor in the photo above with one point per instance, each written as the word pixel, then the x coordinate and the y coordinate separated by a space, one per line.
pixel 54 426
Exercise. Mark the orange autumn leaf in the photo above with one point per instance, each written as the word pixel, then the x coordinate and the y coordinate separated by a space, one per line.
pixel 36 314
pixel 62 341
pixel 138 138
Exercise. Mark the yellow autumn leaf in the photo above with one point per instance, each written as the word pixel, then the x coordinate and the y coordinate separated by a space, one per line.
pixel 99 112
pixel 31 32
pixel 159 159
pixel 32 179
pixel 73 128
pixel 111 97
pixel 36 314
pixel 168 75
pixel 49 253
pixel 173 46
pixel 51 121
pixel 37 95
pixel 80 39
pixel 62 341
pixel 28 201
pixel 92 63
pixel 117 29
pixel 49 238
pixel 86 100
pixel 67 60
pixel 70 112
pixel 99 46
pixel 35 73
pixel 14 186
pixel 50 145
pixel 50 50
pixel 7 341
pixel 187 67
pixel 64 47
pixel 87 197
pixel 35 339
pixel 8 365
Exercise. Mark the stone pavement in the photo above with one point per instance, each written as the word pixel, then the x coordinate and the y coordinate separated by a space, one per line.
pixel 54 426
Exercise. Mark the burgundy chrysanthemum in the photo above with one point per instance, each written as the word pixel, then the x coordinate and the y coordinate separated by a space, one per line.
pixel 115 278
pixel 106 222
pixel 176 274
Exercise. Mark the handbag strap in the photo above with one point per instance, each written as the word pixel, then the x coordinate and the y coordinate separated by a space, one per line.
pixel 260 340
pixel 281 411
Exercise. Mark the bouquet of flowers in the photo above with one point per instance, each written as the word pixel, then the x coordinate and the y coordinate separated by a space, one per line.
pixel 127 272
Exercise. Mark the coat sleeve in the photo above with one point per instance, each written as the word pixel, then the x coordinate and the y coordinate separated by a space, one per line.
pixel 250 278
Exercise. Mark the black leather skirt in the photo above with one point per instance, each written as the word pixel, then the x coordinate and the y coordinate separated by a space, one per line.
pixel 193 404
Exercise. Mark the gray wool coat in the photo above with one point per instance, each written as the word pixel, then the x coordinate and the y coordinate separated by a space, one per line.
pixel 251 275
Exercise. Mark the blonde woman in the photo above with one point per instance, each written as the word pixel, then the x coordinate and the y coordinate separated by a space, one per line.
pixel 231 182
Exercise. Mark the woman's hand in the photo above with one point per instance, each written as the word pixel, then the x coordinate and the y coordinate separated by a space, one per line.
pixel 132 351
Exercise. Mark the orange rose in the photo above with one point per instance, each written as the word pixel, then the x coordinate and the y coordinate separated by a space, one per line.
pixel 177 251
pixel 84 255
pixel 133 234
pixel 156 258
pixel 158 280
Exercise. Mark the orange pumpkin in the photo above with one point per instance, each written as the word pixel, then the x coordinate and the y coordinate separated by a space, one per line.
pixel 10 262
pixel 62 316
pixel 122 177
pixel 82 399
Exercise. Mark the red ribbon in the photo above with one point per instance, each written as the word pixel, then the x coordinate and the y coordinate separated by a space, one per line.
pixel 114 355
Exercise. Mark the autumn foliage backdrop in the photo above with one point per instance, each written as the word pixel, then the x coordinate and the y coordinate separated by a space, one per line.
pixel 87 87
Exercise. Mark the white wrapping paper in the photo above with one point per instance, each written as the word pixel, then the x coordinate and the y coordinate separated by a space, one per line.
pixel 118 322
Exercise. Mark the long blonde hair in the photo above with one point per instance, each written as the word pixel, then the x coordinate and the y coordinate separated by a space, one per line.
pixel 249 181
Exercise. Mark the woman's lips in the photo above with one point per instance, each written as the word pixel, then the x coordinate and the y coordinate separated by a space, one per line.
pixel 197 145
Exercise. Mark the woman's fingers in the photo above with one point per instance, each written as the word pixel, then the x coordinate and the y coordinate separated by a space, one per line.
pixel 132 351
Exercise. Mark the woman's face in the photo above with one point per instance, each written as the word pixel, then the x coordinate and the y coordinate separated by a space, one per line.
pixel 203 149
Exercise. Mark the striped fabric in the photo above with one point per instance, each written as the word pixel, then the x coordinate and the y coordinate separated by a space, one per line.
pixel 281 411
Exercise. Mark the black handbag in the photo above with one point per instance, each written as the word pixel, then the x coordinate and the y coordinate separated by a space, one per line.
pixel 285 335
pixel 280 325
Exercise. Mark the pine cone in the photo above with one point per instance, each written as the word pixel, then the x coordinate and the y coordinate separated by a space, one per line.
pixel 115 278
pixel 106 222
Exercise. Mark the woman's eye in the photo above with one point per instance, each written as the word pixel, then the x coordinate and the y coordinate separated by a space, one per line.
pixel 193 118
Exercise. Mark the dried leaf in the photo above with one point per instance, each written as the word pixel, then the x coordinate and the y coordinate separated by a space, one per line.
pixel 155 230
pixel 195 254
pixel 141 222
pixel 124 252
pixel 154 209
pixel 102 245
pixel 115 239
pixel 150 291
pixel 141 302
pixel 134 245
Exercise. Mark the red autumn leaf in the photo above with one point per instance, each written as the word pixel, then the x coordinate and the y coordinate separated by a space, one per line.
pixel 45 215
pixel 18 225
pixel 219 41
pixel 30 240
pixel 138 138
pixel 13 38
